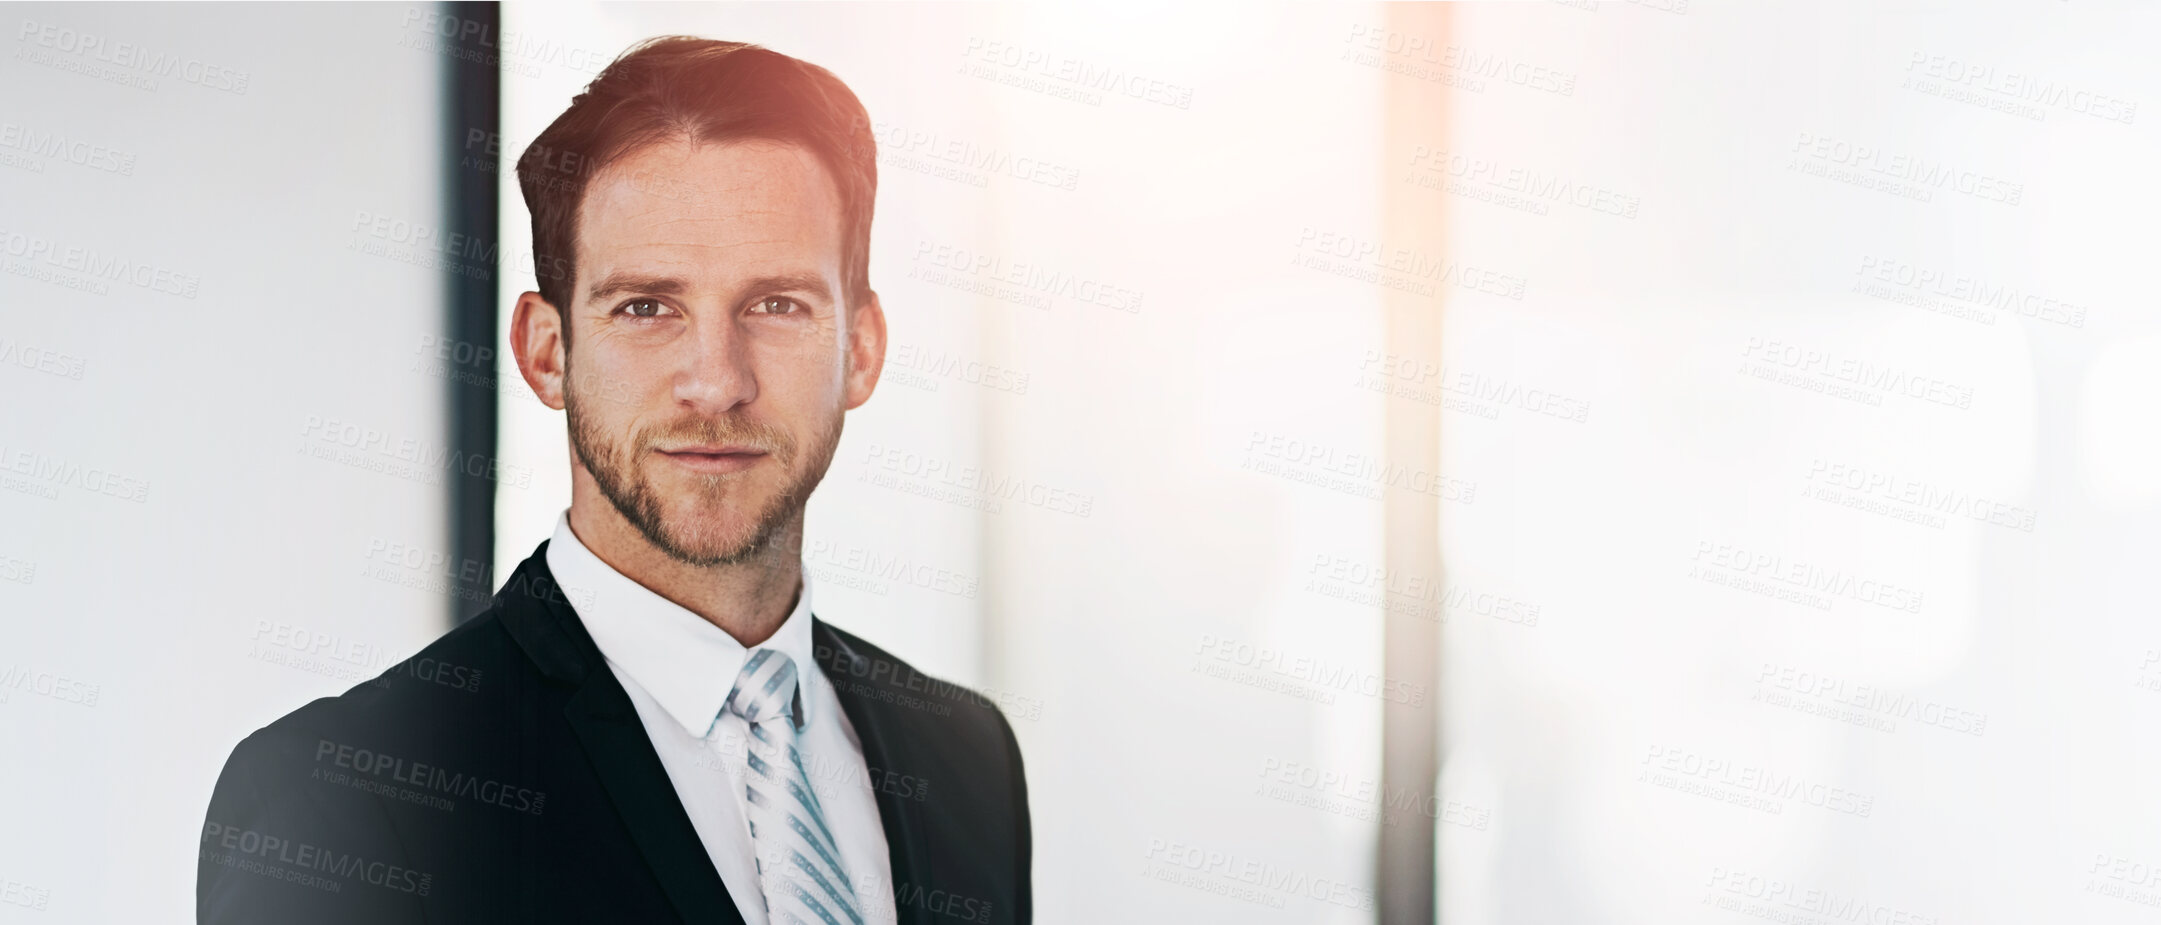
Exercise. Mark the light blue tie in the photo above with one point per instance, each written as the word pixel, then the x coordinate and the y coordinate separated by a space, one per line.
pixel 798 859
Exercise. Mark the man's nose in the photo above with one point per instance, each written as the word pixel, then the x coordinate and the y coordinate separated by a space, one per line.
pixel 718 374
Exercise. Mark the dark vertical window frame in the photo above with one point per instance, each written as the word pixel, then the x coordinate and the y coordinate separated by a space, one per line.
pixel 472 103
pixel 1407 878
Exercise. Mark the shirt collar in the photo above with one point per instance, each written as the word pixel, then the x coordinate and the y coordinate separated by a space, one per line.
pixel 686 663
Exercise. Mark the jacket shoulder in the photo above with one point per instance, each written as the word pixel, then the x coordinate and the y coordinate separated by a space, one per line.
pixel 959 745
pixel 468 678
pixel 464 670
pixel 296 829
pixel 864 669
pixel 948 717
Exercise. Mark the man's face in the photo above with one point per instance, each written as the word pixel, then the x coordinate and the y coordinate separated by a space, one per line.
pixel 709 360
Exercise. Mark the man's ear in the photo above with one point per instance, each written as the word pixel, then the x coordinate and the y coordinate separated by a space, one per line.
pixel 536 339
pixel 866 350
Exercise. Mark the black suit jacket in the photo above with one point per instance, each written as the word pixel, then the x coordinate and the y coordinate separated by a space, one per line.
pixel 502 775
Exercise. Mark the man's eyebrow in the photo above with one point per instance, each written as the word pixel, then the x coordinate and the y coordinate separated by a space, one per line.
pixel 810 283
pixel 622 282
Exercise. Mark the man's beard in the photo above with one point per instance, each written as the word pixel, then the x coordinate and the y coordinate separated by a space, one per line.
pixel 623 480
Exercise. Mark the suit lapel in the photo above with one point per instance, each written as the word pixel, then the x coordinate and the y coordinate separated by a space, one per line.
pixel 883 749
pixel 540 618
pixel 638 784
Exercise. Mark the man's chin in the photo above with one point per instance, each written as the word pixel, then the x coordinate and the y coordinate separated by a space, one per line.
pixel 706 520
pixel 706 538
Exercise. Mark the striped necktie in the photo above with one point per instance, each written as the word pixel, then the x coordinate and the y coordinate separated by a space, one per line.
pixel 798 858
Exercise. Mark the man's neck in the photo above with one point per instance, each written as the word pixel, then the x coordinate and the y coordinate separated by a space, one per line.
pixel 748 600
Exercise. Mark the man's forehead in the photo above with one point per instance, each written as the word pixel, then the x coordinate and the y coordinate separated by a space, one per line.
pixel 687 177
pixel 687 203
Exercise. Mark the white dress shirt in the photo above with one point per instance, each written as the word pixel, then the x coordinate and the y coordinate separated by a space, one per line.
pixel 678 669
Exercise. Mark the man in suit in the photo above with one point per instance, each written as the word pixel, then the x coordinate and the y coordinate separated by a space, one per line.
pixel 649 724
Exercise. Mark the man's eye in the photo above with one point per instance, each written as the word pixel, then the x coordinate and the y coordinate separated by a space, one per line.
pixel 643 308
pixel 777 305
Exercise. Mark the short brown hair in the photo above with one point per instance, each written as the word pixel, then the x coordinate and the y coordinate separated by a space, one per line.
pixel 699 90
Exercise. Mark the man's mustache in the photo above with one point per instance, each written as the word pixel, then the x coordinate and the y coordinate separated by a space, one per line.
pixel 727 430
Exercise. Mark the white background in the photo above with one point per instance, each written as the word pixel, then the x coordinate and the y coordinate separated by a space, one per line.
pixel 251 575
pixel 1999 730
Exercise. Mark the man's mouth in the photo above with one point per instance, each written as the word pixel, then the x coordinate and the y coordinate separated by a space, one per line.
pixel 713 458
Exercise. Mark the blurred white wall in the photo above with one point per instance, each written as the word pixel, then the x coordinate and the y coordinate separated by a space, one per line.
pixel 1823 445
pixel 219 435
